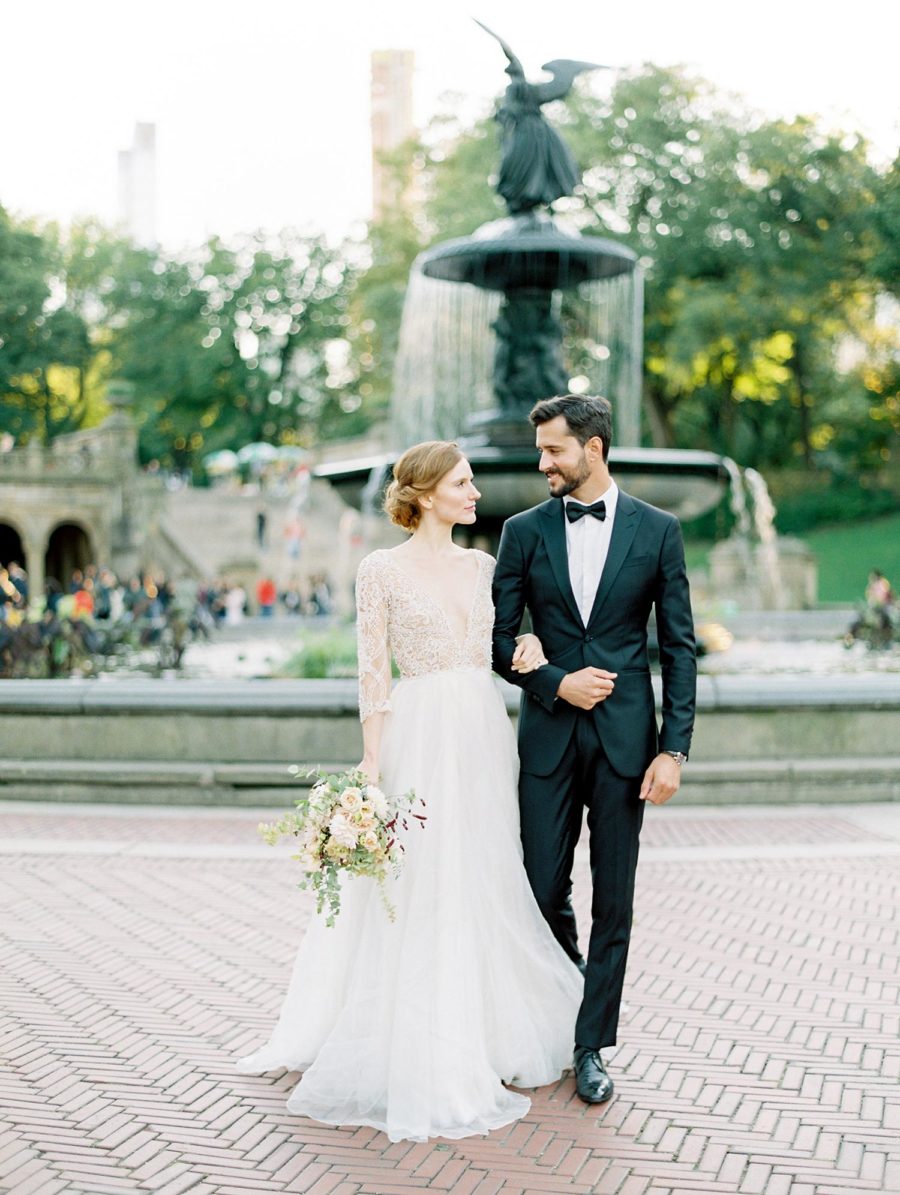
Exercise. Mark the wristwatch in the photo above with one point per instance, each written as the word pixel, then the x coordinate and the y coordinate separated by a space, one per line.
pixel 678 756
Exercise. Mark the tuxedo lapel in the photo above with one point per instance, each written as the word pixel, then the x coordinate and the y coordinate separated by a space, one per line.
pixel 625 526
pixel 553 531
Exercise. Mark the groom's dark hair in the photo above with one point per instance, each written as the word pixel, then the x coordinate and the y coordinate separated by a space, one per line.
pixel 586 416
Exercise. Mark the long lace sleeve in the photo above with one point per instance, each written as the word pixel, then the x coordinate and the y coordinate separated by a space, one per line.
pixel 372 649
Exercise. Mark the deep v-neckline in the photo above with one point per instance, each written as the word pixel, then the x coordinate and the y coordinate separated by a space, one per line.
pixel 460 644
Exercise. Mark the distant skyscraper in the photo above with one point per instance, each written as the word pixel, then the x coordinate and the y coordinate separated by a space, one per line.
pixel 392 123
pixel 137 186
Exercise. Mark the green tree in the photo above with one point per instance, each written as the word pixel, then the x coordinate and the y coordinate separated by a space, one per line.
pixel 45 349
pixel 757 238
pixel 449 165
pixel 233 344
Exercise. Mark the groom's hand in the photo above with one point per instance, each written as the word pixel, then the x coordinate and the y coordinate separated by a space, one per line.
pixel 587 687
pixel 661 780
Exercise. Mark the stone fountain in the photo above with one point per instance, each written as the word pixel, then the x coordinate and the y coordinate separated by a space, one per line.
pixel 521 310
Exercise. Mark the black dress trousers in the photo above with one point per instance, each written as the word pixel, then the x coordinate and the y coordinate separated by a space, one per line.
pixel 552 810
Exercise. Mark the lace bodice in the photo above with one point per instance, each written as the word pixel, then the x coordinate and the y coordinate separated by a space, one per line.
pixel 397 616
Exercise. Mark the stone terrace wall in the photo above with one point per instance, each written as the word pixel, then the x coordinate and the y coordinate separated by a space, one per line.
pixel 203 742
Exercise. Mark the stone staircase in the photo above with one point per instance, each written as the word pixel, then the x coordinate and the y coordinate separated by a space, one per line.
pixel 208 533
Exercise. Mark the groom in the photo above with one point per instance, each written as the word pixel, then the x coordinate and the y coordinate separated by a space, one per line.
pixel 589 565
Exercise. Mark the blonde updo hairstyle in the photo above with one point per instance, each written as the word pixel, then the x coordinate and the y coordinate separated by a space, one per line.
pixel 416 474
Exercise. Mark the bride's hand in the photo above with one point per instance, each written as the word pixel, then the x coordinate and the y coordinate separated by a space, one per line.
pixel 369 769
pixel 529 655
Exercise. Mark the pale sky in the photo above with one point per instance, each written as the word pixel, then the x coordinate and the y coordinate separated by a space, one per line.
pixel 262 108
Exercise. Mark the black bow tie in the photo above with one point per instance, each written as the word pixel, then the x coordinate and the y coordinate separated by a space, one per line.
pixel 576 511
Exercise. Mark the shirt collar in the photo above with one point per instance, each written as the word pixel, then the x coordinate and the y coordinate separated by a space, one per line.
pixel 610 497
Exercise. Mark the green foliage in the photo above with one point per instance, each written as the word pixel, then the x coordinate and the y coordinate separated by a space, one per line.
pixel 45 351
pixel 885 264
pixel 826 500
pixel 455 173
pixel 451 165
pixel 323 653
pixel 377 306
pixel 234 344
pixel 224 346
pixel 805 502
pixel 760 241
pixel 767 246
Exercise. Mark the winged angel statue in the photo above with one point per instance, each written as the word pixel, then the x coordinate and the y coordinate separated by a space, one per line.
pixel 536 165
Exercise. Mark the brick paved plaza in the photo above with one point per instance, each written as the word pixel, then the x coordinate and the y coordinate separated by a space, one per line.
pixel 143 950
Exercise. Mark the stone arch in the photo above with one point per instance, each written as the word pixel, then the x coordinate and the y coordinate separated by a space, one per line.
pixel 69 547
pixel 12 545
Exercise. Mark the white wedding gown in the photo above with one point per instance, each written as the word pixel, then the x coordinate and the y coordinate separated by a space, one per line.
pixel 414 1026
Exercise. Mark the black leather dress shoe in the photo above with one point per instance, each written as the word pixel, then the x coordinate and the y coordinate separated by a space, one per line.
pixel 592 1082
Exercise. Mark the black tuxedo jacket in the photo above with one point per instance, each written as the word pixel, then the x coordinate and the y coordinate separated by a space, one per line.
pixel 644 569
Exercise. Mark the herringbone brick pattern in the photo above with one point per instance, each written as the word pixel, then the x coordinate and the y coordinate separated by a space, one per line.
pixel 760 1052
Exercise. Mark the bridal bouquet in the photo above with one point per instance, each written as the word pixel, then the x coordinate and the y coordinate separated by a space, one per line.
pixel 345 824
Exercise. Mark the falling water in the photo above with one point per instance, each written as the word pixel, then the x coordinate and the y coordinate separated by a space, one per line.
pixel 604 345
pixel 445 359
pixel 737 498
pixel 764 526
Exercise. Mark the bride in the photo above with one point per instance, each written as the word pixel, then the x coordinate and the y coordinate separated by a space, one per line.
pixel 417 1026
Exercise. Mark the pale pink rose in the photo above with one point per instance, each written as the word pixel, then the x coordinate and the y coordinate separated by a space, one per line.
pixel 351 800
pixel 369 840
pixel 342 831
pixel 376 798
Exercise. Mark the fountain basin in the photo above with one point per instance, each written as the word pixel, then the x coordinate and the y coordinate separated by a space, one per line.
pixel 758 738
pixel 526 252
pixel 685 482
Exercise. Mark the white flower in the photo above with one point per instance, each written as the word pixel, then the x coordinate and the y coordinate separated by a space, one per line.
pixel 377 800
pixel 318 796
pixel 310 861
pixel 351 800
pixel 342 831
pixel 369 840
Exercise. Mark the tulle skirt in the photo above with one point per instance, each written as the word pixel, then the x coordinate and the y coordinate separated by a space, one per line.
pixel 413 1026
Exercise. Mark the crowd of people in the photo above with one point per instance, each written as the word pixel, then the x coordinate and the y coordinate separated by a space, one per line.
pixel 97 593
pixel 312 599
pixel 94 592
pixel 94 613
pixel 91 616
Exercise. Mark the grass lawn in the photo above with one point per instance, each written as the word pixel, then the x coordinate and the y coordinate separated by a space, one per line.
pixel 846 553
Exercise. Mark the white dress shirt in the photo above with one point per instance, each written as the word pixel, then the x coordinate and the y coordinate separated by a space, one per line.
pixel 587 542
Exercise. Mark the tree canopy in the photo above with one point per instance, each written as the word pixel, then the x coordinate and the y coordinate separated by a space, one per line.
pixel 771 252
pixel 769 249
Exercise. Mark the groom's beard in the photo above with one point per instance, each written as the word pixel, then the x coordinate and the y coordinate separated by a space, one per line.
pixel 564 481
